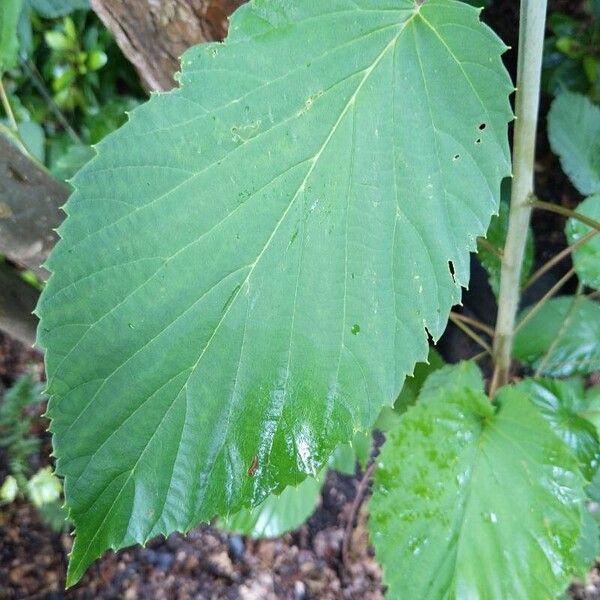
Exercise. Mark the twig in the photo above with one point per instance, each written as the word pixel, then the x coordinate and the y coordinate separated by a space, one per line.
pixel 363 486
pixel 558 257
pixel 7 109
pixel 563 327
pixel 549 294
pixel 481 241
pixel 469 332
pixel 38 83
pixel 565 212
pixel 475 323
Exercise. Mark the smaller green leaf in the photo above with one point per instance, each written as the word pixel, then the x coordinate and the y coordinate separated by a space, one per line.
pixel 8 490
pixel 562 338
pixel 586 258
pixel 96 59
pixel 464 375
pixel 57 40
pixel 44 487
pixel 472 504
pixel 343 460
pixel 496 236
pixel 389 416
pixel 346 456
pixel 33 137
pixel 560 403
pixel 592 409
pixel 9 43
pixel 277 515
pixel 69 162
pixel 574 132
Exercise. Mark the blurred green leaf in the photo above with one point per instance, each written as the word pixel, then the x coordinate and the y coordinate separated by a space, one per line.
pixel 44 487
pixel 388 417
pixel 51 9
pixel 496 236
pixel 586 258
pixel 574 132
pixel 277 514
pixel 562 338
pixel 96 60
pixel 57 40
pixel 68 163
pixel 8 490
pixel 33 138
pixel 9 43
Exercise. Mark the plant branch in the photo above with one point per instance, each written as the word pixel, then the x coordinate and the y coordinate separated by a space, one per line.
pixel 549 294
pixel 470 333
pixel 38 83
pixel 474 322
pixel 483 243
pixel 531 46
pixel 566 212
pixel 363 486
pixel 564 326
pixel 7 109
pixel 558 257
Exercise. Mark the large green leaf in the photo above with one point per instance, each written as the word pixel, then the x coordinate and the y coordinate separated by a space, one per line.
pixel 250 266
pixel 574 132
pixel 562 338
pixel 561 404
pixel 277 514
pixel 472 504
pixel 586 257
pixel 9 43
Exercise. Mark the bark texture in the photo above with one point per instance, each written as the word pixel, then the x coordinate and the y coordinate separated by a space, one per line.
pixel 30 201
pixel 17 301
pixel 153 34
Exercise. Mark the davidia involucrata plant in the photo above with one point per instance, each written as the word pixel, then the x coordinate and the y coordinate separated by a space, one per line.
pixel 460 482
pixel 252 265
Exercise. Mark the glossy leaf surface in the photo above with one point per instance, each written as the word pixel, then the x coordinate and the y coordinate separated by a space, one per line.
pixel 277 515
pixel 249 265
pixel 562 338
pixel 561 404
pixel 586 258
pixel 469 503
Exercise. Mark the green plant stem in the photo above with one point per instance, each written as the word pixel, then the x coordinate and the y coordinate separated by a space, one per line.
pixel 558 257
pixel 566 212
pixel 7 109
pixel 531 46
pixel 549 294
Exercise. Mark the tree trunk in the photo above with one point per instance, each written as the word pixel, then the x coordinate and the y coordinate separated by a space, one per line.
pixel 17 301
pixel 153 34
pixel 30 201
